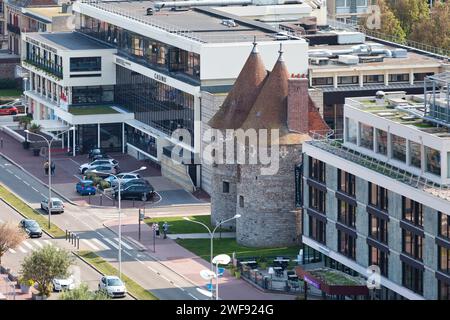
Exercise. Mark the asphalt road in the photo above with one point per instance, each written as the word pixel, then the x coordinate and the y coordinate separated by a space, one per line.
pixel 87 223
pixel 12 259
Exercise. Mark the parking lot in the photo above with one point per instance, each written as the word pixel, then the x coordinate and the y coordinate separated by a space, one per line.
pixel 67 175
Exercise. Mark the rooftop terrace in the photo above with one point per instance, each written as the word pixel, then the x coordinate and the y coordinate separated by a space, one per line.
pixel 68 41
pixel 406 110
pixel 200 24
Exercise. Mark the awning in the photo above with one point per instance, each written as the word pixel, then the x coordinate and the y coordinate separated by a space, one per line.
pixel 51 125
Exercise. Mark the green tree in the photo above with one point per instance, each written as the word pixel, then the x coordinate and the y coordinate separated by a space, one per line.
pixel 83 293
pixel 435 29
pixel 390 25
pixel 44 265
pixel 409 13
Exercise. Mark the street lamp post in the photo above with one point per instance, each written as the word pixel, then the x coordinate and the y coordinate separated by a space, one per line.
pixel 211 234
pixel 49 143
pixel 120 214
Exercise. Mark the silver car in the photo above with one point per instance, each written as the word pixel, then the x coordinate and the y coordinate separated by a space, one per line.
pixel 57 205
pixel 101 162
pixel 102 171
pixel 123 177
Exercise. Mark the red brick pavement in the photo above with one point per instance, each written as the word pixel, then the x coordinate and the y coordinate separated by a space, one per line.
pixel 189 265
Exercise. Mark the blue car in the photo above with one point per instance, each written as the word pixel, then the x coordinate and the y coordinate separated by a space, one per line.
pixel 86 187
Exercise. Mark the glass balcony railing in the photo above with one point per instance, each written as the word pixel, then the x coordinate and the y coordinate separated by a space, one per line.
pixel 45 65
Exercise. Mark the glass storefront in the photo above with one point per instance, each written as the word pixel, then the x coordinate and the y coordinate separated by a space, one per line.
pixel 366 133
pixel 352 128
pixel 381 142
pixel 155 103
pixel 111 137
pixel 141 140
pixel 433 161
pixel 398 145
pixel 92 95
pixel 415 154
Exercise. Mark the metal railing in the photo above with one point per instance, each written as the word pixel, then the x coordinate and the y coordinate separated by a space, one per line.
pixel 148 21
pixel 336 147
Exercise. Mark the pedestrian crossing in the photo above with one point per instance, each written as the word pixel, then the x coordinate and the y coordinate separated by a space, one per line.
pixel 104 244
pixel 30 245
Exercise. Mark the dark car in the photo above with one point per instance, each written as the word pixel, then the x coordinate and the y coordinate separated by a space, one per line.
pixel 101 171
pixel 131 190
pixel 139 181
pixel 31 227
pixel 96 153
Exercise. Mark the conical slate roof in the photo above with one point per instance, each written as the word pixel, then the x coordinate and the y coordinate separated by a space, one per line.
pixel 270 108
pixel 241 97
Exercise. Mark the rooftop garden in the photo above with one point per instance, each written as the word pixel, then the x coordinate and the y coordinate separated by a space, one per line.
pixel 335 277
pixel 90 110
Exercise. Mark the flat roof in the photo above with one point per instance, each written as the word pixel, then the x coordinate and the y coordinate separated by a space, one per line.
pixel 47 12
pixel 406 110
pixel 68 41
pixel 204 23
pixel 411 59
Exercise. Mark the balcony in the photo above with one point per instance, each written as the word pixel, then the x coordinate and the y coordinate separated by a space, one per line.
pixel 45 65
pixel 12 28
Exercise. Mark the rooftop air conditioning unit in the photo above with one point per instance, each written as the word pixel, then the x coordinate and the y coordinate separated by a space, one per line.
pixel 399 53
pixel 348 59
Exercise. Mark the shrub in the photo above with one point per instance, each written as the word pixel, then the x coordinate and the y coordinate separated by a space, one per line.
pixel 25 282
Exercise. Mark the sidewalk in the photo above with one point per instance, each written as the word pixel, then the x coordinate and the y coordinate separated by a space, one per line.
pixel 188 265
pixel 6 291
pixel 201 235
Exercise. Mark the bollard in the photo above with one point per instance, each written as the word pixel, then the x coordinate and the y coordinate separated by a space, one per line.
pixel 1 143
pixel 66 234
pixel 78 243
pixel 89 198
pixel 101 199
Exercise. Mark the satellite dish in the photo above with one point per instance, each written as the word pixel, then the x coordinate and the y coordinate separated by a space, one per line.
pixel 221 259
pixel 207 274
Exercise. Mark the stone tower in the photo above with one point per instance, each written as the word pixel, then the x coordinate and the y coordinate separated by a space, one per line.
pixel 231 115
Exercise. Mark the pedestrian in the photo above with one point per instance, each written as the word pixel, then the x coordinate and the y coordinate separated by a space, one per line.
pixel 165 229
pixel 157 229
pixel 52 168
pixel 46 167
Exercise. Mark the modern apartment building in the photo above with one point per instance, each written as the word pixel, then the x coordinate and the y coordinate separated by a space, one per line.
pixel 131 75
pixel 345 63
pixel 35 16
pixel 381 195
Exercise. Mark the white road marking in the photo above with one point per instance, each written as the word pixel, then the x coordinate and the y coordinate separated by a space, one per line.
pixel 93 246
pixel 193 296
pixel 28 245
pixel 12 250
pixel 35 189
pixel 182 289
pixel 48 242
pixel 74 161
pixel 17 177
pixel 26 182
pixel 140 245
pixel 9 171
pixel 101 244
pixel 152 269
pixel 37 243
pixel 124 244
pixel 111 243
pixel 22 249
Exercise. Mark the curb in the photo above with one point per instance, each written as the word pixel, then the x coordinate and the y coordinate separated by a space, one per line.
pixel 183 205
pixel 95 268
pixel 159 261
pixel 37 179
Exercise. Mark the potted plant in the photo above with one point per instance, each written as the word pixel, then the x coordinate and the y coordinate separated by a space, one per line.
pixel 25 284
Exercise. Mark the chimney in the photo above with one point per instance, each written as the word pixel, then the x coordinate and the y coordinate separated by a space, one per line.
pixel 297 105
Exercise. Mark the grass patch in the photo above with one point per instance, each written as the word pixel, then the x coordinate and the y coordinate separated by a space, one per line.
pixel 10 93
pixel 88 110
pixel 106 268
pixel 335 278
pixel 179 225
pixel 30 213
pixel 201 247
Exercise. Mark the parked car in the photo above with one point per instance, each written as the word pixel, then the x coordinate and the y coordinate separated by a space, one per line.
pixel 7 110
pixel 57 205
pixel 31 228
pixel 18 103
pixel 101 171
pixel 96 153
pixel 135 190
pixel 86 187
pixel 123 177
pixel 63 283
pixel 113 286
pixel 91 165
